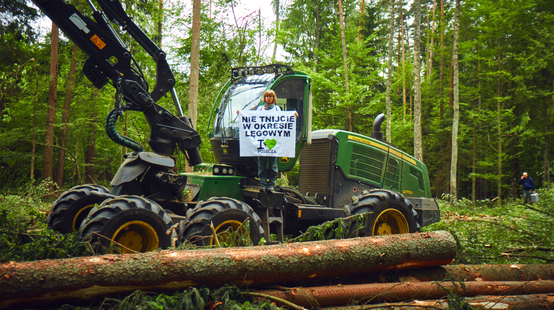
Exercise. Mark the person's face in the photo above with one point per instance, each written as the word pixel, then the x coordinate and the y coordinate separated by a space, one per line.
pixel 525 175
pixel 269 99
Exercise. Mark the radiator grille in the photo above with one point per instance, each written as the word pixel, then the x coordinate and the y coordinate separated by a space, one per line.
pixel 392 174
pixel 367 163
pixel 314 168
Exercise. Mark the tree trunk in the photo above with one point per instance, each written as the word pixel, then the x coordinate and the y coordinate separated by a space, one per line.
pixel 345 64
pixel 361 21
pixel 51 115
pixel 34 129
pixel 510 302
pixel 276 7
pixel 403 67
pixel 456 118
pixel 389 75
pixel 44 282
pixel 325 296
pixel 474 158
pixel 160 23
pixel 441 74
pixel 512 272
pixel 499 129
pixel 65 116
pixel 432 45
pixel 418 143
pixel 194 63
pixel 546 155
pixel 91 146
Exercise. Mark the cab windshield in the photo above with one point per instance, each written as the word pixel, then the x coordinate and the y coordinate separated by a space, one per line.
pixel 245 94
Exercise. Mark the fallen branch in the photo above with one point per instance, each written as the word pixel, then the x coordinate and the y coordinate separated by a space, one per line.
pixel 85 278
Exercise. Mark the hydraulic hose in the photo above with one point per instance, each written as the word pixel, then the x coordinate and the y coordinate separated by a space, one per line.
pixel 116 137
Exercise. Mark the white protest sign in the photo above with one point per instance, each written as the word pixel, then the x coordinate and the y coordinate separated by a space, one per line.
pixel 267 133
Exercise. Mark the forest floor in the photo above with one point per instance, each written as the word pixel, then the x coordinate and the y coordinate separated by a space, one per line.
pixel 487 232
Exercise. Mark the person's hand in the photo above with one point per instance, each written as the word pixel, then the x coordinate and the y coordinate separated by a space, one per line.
pixel 296 114
pixel 533 192
pixel 522 177
pixel 237 111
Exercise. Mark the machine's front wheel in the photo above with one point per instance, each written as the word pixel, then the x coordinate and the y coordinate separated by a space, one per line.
pixel 133 223
pixel 391 213
pixel 72 207
pixel 227 216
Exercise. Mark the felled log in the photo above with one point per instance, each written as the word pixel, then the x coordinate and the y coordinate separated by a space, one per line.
pixel 393 292
pixel 508 272
pixel 85 278
pixel 486 272
pixel 511 302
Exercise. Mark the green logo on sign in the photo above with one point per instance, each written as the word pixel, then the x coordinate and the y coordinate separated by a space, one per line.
pixel 270 143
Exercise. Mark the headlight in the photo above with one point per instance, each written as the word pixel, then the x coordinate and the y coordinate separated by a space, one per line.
pixel 216 169
pixel 231 171
pixel 224 171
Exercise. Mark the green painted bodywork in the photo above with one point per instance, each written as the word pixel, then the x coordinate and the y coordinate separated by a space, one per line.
pixel 377 163
pixel 216 185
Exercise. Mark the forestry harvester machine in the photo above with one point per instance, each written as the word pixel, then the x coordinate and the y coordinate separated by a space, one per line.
pixel 341 173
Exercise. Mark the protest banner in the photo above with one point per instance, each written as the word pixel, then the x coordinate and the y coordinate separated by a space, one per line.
pixel 267 133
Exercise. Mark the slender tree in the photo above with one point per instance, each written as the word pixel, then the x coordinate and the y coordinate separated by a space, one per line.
pixel 194 63
pixel 389 74
pixel 276 10
pixel 65 116
pixel 456 118
pixel 51 115
pixel 418 143
pixel 34 127
pixel 90 158
pixel 345 64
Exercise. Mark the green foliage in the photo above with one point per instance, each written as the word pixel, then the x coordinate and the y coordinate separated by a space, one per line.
pixel 341 228
pixel 227 297
pixel 23 233
pixel 507 233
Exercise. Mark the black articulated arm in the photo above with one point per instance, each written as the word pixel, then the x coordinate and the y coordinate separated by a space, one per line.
pixel 110 61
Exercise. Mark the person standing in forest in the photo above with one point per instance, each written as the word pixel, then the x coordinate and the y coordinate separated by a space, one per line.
pixel 528 187
pixel 268 177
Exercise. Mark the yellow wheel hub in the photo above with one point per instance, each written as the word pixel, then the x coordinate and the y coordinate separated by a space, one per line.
pixel 226 232
pixel 136 236
pixel 390 222
pixel 80 217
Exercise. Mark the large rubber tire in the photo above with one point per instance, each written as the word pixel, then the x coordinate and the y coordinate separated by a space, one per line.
pixel 224 213
pixel 391 213
pixel 72 207
pixel 134 223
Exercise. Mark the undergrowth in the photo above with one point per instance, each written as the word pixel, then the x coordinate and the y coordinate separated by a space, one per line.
pixel 23 232
pixel 228 297
pixel 487 232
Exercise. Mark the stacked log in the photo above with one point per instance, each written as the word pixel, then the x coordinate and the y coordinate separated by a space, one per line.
pixel 397 272
pixel 86 278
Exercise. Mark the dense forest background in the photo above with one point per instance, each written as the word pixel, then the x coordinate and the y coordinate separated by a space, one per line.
pixel 504 61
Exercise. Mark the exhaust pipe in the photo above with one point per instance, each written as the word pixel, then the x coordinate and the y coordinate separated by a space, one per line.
pixel 376 133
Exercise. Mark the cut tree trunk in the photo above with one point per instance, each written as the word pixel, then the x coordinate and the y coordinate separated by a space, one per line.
pixel 387 292
pixel 53 281
pixel 511 272
pixel 512 302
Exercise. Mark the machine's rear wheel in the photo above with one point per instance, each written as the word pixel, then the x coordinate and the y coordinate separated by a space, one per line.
pixel 133 223
pixel 72 207
pixel 227 216
pixel 391 213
